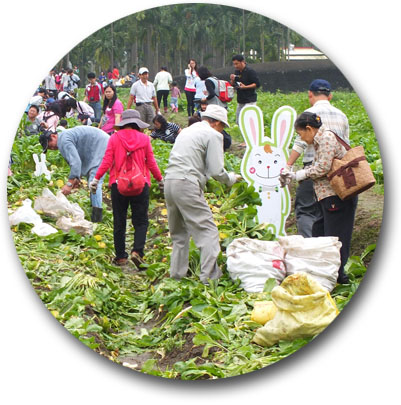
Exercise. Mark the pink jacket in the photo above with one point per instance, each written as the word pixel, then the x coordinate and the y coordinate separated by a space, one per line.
pixel 131 140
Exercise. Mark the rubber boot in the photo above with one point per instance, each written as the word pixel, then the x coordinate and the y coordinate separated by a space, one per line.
pixel 165 110
pixel 97 214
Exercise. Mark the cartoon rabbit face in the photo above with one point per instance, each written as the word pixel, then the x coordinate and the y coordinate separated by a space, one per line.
pixel 264 165
pixel 264 159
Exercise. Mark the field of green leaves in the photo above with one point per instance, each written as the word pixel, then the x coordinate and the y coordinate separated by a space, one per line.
pixel 146 320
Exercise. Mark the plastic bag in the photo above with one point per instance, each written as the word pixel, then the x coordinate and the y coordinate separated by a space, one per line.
pixel 57 205
pixel 80 225
pixel 304 309
pixel 255 261
pixel 319 257
pixel 26 214
pixel 43 229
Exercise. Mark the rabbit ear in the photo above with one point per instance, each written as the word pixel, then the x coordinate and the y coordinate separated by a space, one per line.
pixel 283 126
pixel 35 158
pixel 251 125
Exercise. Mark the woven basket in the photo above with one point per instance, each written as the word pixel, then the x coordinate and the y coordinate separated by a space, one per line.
pixel 352 174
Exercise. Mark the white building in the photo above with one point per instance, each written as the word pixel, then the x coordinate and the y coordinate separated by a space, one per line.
pixel 302 53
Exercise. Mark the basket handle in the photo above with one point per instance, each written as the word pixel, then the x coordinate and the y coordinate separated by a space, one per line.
pixel 342 142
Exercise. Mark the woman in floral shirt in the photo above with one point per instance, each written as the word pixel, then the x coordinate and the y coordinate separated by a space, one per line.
pixel 337 216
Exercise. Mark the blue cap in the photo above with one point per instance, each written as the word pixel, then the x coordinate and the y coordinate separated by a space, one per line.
pixel 320 85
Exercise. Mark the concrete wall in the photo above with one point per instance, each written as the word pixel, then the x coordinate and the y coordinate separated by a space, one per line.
pixel 289 76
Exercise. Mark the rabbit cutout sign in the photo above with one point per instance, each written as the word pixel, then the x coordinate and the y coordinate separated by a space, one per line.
pixel 263 161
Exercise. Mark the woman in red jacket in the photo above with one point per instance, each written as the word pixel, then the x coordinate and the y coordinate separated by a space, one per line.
pixel 129 138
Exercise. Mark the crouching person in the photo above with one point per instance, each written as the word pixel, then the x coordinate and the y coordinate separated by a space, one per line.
pixel 129 140
pixel 83 148
pixel 196 156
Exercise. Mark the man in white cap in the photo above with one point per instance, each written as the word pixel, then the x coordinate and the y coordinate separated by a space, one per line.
pixel 196 156
pixel 144 93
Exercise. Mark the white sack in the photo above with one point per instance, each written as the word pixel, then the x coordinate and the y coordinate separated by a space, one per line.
pixel 254 262
pixel 319 257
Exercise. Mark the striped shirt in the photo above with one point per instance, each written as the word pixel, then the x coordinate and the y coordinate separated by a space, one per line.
pixel 168 135
pixel 332 118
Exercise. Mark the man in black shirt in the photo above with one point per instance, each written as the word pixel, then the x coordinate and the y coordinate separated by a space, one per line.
pixel 245 81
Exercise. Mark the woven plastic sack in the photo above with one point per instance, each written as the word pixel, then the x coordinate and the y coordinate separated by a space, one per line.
pixel 304 309
pixel 254 262
pixel 318 257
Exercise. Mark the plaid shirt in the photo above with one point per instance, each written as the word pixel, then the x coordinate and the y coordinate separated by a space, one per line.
pixel 326 148
pixel 332 118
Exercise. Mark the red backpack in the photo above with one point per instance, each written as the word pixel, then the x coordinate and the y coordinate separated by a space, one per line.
pixel 130 180
pixel 224 90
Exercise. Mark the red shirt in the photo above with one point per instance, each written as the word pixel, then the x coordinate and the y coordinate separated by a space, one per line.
pixel 116 73
pixel 131 140
pixel 94 92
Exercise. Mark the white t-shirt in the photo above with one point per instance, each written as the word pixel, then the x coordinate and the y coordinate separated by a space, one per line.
pixel 143 92
pixel 162 80
pixel 200 87
pixel 82 108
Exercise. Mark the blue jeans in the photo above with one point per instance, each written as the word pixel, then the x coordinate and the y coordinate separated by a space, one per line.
pixel 96 199
pixel 97 108
pixel 174 101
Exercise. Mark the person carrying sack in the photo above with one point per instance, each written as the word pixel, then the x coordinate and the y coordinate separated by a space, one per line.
pixel 129 142
pixel 337 216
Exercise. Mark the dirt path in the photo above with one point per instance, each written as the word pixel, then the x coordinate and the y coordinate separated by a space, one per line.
pixel 368 220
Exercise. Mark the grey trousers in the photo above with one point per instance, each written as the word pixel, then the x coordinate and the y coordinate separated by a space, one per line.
pixel 239 108
pixel 189 215
pixel 147 113
pixel 307 210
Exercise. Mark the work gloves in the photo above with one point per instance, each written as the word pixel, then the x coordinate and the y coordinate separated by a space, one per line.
pixel 287 175
pixel 93 186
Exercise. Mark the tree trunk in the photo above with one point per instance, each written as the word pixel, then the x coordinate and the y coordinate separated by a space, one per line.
pixel 243 31
pixel 148 45
pixel 112 46
pixel 224 50
pixel 262 45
